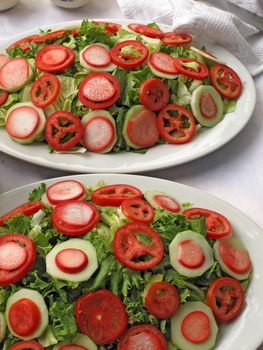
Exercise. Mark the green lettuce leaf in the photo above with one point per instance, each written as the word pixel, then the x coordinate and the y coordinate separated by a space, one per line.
pixel 229 105
pixel 36 193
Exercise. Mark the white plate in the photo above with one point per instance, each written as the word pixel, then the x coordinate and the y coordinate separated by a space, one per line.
pixel 245 333
pixel 158 157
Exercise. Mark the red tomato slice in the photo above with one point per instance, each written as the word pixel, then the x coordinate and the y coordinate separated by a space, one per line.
pixel 45 90
pixel 190 254
pixel 24 317
pixel 49 36
pixel 99 90
pixel 189 72
pixel 166 202
pixel 217 225
pixel 22 122
pixel 143 336
pixel 207 106
pixel 196 327
pixel 110 27
pixel 142 129
pixel 63 130
pixel 22 42
pixel 114 195
pixel 96 56
pixel 237 260
pixel 3 97
pixel 27 208
pixel 163 62
pixel 136 56
pixel 14 267
pixel 146 30
pixel 162 299
pixel 101 315
pixel 65 190
pixel 225 296
pixel 174 38
pixel 136 240
pixel 54 58
pixel 26 345
pixel 226 81
pixel 75 218
pixel 153 94
pixel 71 260
pixel 72 347
pixel 176 124
pixel 138 210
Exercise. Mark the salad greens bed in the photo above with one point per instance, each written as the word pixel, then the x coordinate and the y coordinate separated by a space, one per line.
pixel 129 285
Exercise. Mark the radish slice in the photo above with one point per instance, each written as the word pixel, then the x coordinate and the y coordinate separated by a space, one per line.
pixel 76 213
pixel 54 57
pixel 190 254
pixel 98 134
pixel 234 258
pixel 3 59
pixel 65 190
pixel 167 203
pixel 163 62
pixel 98 89
pixel 196 327
pixel 71 260
pixel 14 73
pixel 96 56
pixel 22 122
pixel 12 256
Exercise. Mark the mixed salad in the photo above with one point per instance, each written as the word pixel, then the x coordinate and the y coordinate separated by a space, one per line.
pixel 107 87
pixel 107 267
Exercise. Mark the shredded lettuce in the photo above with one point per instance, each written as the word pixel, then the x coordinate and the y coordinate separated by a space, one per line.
pixel 36 193
pixel 229 105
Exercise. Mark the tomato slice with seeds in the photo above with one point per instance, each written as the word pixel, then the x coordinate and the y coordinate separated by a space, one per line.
pixel 3 97
pixel 54 58
pixel 129 54
pixel 101 315
pixel 226 81
pixel 45 90
pixel 138 210
pixel 154 94
pixel 26 345
pixel 114 195
pixel 63 130
pixel 183 66
pixel 143 336
pixel 225 296
pixel 24 317
pixel 23 43
pixel 190 254
pixel 17 257
pixel 217 225
pixel 137 246
pixel 49 36
pixel 196 327
pixel 162 299
pixel 176 124
pixel 146 30
pixel 27 208
pixel 173 38
pixel 237 260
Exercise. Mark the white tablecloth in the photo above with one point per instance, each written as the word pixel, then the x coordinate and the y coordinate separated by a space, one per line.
pixel 233 173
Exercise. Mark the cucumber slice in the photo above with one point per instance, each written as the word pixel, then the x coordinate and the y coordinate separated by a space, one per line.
pixel 195 104
pixel 81 276
pixel 159 74
pixel 205 247
pixel 236 243
pixel 176 324
pixel 103 113
pixel 37 135
pixel 109 68
pixel 196 56
pixel 84 340
pixel 153 44
pixel 206 55
pixel 149 196
pixel 2 326
pixel 37 298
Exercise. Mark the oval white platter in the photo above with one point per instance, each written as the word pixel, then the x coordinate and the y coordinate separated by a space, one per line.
pixel 157 157
pixel 243 333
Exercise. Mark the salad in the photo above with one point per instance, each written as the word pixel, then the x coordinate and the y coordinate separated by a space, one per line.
pixel 106 87
pixel 107 267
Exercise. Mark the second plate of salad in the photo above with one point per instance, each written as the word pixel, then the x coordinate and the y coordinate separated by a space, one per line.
pixel 100 96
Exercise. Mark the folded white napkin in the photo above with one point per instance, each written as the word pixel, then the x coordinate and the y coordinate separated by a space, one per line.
pixel 254 6
pixel 207 22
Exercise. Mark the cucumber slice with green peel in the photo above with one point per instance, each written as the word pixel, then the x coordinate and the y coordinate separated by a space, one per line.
pixel 153 44
pixel 2 326
pixel 109 68
pixel 176 327
pixel 237 254
pixel 102 113
pixel 38 132
pixel 37 298
pixel 160 74
pixel 207 105
pixel 171 346
pixel 206 55
pixel 74 243
pixel 205 254
pixel 196 56
pixel 150 197
pixel 84 340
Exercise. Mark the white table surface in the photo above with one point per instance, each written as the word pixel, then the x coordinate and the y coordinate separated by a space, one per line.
pixel 233 173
